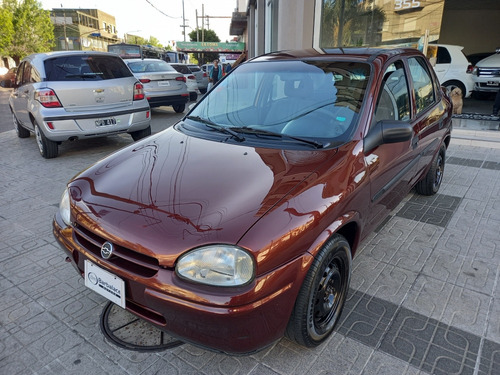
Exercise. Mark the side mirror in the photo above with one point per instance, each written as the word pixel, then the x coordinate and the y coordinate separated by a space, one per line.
pixel 387 131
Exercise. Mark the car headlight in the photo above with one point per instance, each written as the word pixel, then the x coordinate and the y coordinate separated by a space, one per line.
pixel 219 265
pixel 64 209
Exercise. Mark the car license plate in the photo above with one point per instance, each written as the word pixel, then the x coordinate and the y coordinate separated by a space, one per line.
pixel 105 283
pixel 105 121
pixel 492 83
pixel 163 83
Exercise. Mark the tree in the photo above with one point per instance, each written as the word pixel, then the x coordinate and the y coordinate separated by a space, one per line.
pixel 154 42
pixel 6 30
pixel 32 29
pixel 208 36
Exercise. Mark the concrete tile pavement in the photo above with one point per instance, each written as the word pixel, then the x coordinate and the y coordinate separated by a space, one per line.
pixel 424 297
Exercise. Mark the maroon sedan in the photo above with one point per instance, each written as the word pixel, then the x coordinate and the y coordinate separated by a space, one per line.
pixel 238 224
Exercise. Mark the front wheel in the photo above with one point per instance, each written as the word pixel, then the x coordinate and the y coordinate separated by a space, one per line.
pixel 179 108
pixel 430 184
pixel 48 149
pixel 322 296
pixel 20 131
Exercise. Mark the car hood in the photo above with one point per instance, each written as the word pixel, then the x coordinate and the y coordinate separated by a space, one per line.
pixel 492 61
pixel 170 192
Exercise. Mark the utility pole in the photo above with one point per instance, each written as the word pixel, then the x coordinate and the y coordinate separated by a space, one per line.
pixel 183 21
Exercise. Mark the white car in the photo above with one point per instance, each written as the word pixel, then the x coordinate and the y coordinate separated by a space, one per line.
pixel 452 67
pixel 191 82
pixel 486 75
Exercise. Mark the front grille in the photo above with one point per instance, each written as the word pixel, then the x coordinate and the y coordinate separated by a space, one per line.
pixel 488 72
pixel 126 259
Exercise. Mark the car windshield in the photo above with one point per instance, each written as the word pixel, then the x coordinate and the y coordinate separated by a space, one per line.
pixel 85 68
pixel 308 99
pixel 150 66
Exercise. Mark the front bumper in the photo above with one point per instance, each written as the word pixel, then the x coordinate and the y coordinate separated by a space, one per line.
pixel 231 320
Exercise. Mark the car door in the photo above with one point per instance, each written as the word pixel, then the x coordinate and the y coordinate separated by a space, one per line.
pixel 429 112
pixel 21 93
pixel 391 166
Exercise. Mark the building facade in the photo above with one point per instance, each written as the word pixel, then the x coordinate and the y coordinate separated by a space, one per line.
pixel 274 25
pixel 83 29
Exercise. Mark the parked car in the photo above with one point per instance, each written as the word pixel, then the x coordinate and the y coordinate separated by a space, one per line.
pixel 8 79
pixel 486 75
pixel 201 77
pixel 238 224
pixel 452 68
pixel 474 58
pixel 163 85
pixel 191 82
pixel 62 96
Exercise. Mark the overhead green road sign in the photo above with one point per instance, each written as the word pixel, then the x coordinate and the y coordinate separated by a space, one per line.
pixel 210 47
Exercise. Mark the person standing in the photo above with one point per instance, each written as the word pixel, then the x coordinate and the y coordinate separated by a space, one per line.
pixel 216 73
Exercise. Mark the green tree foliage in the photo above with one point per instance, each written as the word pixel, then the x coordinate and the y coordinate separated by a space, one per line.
pixel 207 35
pixel 351 23
pixel 6 30
pixel 32 30
pixel 154 42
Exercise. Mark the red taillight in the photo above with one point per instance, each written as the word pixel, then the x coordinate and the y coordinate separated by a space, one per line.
pixel 183 79
pixel 145 80
pixel 138 91
pixel 470 68
pixel 50 125
pixel 147 114
pixel 191 77
pixel 47 98
pixel 205 74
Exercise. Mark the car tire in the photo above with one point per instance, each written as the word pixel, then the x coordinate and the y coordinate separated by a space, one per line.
pixel 450 85
pixel 21 132
pixel 179 108
pixel 203 91
pixel 139 134
pixel 193 96
pixel 48 149
pixel 430 184
pixel 322 295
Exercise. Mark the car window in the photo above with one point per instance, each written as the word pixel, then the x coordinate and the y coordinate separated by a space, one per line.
pixel 27 73
pixel 297 98
pixel 393 102
pixel 443 56
pixel 194 68
pixel 19 74
pixel 85 68
pixel 150 66
pixel 423 88
pixel 181 68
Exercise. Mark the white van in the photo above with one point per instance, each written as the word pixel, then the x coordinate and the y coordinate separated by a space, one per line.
pixel 486 74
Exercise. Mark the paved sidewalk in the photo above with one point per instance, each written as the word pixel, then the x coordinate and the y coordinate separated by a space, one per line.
pixel 424 297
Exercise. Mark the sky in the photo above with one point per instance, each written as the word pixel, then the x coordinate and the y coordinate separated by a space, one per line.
pixel 159 18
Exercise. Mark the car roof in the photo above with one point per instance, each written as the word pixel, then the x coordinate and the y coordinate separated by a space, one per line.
pixel 368 54
pixel 46 55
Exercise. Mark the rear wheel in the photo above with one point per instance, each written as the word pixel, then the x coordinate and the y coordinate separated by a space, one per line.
pixel 450 85
pixel 21 132
pixel 48 149
pixel 322 296
pixel 193 96
pixel 139 134
pixel 430 184
pixel 179 108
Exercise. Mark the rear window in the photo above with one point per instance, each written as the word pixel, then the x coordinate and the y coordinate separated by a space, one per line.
pixel 149 66
pixel 182 69
pixel 85 68
pixel 194 68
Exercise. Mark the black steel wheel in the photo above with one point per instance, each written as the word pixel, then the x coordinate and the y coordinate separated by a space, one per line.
pixel 322 296
pixel 430 184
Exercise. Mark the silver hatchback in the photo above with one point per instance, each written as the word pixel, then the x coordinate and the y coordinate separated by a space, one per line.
pixel 64 95
pixel 163 85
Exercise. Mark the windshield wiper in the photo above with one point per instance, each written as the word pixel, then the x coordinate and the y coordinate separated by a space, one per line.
pixel 248 130
pixel 220 128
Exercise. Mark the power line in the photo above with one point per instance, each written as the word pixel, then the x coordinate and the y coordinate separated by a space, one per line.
pixel 166 15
